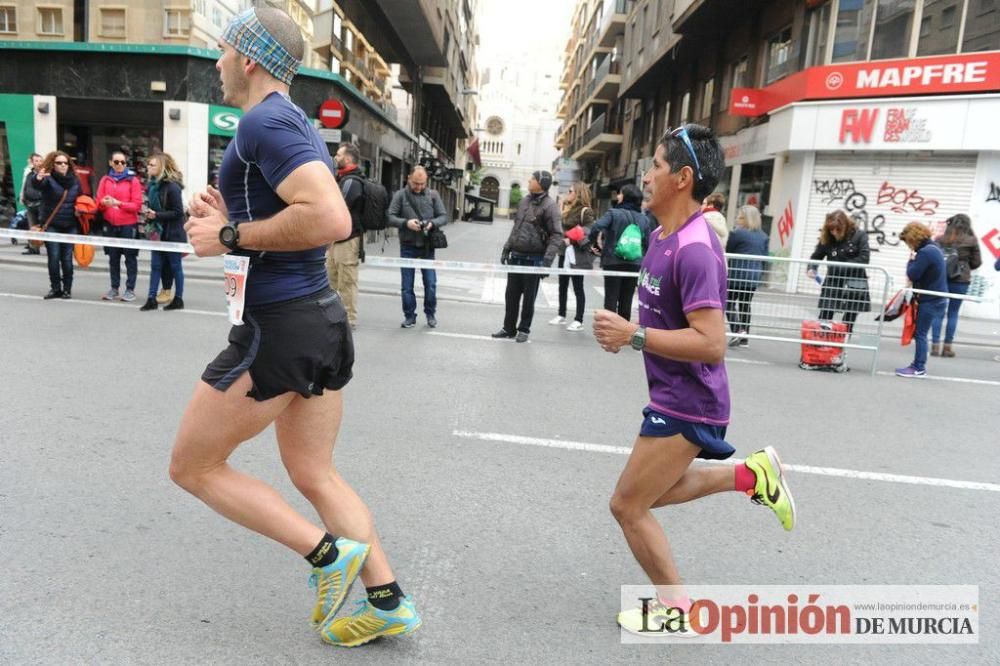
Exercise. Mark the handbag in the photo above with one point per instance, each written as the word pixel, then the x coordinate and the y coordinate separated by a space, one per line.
pixel 84 254
pixel 44 227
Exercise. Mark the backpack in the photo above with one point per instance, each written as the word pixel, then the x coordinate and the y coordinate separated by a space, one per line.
pixel 376 204
pixel 952 264
pixel 629 245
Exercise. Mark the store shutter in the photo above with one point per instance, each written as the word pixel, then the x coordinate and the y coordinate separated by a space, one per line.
pixel 885 191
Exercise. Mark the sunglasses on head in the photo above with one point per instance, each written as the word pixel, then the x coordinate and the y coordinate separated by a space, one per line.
pixel 61 163
pixel 682 134
pixel 118 161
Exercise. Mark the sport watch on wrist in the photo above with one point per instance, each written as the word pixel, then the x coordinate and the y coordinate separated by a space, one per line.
pixel 229 236
pixel 638 339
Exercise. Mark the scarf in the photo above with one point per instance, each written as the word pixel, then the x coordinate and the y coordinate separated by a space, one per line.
pixel 153 194
pixel 119 177
pixel 67 181
pixel 346 170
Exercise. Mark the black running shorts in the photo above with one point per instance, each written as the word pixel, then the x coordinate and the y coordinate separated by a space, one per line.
pixel 303 345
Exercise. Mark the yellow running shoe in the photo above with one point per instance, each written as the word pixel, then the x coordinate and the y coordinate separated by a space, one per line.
pixel 368 623
pixel 771 489
pixel 333 581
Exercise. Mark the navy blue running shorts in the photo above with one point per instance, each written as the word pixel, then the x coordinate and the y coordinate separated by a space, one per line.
pixel 302 345
pixel 711 438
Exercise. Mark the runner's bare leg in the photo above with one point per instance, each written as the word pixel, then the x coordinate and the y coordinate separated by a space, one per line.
pixel 213 426
pixel 307 431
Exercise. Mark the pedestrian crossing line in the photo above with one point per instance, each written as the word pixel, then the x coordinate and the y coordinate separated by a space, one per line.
pixel 802 469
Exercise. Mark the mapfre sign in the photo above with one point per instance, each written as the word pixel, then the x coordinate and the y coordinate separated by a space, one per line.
pixel 965 73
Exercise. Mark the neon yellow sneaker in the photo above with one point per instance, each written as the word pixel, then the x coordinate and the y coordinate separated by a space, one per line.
pixel 659 621
pixel 368 623
pixel 771 489
pixel 333 581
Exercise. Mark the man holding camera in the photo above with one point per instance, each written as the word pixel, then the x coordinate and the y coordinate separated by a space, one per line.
pixel 416 211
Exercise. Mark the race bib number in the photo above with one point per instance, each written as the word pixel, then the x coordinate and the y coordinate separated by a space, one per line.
pixel 236 270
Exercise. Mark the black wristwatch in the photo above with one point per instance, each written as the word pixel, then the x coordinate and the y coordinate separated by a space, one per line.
pixel 638 339
pixel 229 236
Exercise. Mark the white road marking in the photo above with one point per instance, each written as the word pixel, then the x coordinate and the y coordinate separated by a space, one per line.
pixel 804 469
pixel 469 336
pixel 112 304
pixel 746 361
pixel 938 378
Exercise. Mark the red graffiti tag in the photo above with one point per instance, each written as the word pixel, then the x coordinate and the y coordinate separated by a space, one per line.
pixel 906 201
pixel 786 224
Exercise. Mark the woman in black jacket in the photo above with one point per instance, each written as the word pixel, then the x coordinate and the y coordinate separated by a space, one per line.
pixel 59 185
pixel 618 291
pixel 962 256
pixel 845 288
pixel 166 213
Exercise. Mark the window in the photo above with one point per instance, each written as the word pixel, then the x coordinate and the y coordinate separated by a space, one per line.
pixel 176 23
pixel 893 23
pixel 939 27
pixel 349 40
pixel 685 107
pixel 850 40
pixel 199 7
pixel 338 25
pixel 819 33
pixel 778 60
pixel 50 21
pixel 666 116
pixel 8 19
pixel 112 22
pixel 707 93
pixel 217 16
pixel 982 26
pixel 334 65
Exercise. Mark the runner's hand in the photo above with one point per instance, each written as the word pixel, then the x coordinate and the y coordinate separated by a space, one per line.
pixel 612 331
pixel 203 228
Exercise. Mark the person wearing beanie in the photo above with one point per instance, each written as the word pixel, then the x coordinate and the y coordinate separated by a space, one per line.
pixel 291 351
pixel 534 240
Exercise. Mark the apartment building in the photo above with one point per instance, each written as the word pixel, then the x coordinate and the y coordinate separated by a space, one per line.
pixel 136 75
pixel 881 107
pixel 434 43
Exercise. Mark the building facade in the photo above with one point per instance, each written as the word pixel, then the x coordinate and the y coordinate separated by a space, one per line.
pixel 879 107
pixel 517 103
pixel 138 76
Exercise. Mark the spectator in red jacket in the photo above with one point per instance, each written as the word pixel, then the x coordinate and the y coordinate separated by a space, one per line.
pixel 119 196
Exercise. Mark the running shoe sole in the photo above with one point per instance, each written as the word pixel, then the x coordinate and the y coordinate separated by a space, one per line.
pixel 772 455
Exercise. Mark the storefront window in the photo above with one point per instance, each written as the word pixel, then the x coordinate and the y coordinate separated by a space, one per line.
pixel 939 27
pixel 893 24
pixel 216 149
pixel 854 19
pixel 982 26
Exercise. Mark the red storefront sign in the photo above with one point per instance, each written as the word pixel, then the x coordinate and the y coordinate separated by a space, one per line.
pixel 965 73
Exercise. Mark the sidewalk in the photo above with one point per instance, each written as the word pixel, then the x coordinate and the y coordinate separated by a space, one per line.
pixel 467 241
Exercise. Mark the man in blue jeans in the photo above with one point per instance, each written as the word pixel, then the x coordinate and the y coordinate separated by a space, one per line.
pixel 415 211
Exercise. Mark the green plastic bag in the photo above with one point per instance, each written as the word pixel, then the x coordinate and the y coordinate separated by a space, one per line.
pixel 629 245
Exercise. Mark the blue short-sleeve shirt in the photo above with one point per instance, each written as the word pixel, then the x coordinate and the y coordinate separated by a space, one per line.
pixel 272 139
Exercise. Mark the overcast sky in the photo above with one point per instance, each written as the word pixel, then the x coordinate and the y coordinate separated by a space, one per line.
pixel 523 31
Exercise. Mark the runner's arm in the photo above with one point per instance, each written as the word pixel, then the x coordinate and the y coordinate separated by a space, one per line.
pixel 316 214
pixel 704 341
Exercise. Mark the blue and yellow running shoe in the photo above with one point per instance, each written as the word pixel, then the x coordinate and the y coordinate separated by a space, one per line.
pixel 771 489
pixel 368 623
pixel 333 581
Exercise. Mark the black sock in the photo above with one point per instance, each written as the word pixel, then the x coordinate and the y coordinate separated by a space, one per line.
pixel 384 597
pixel 324 553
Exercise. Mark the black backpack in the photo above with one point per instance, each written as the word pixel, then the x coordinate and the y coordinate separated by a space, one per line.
pixel 952 264
pixel 375 206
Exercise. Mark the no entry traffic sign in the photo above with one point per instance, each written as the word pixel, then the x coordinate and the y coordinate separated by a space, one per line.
pixel 333 114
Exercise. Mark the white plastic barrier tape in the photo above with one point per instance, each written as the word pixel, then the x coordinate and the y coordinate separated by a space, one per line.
pixel 370 259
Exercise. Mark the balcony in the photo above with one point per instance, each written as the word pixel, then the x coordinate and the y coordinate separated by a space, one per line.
pixel 337 46
pixel 599 138
pixel 612 22
pixel 606 81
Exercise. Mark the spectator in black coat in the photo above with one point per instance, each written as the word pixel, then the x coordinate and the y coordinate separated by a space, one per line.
pixel 165 215
pixel 59 185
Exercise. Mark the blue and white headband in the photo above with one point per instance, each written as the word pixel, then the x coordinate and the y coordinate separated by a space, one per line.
pixel 247 34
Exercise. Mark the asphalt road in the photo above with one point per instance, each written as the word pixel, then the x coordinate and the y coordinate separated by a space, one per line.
pixel 507 545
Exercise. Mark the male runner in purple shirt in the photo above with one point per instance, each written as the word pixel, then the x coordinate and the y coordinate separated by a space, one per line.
pixel 681 333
